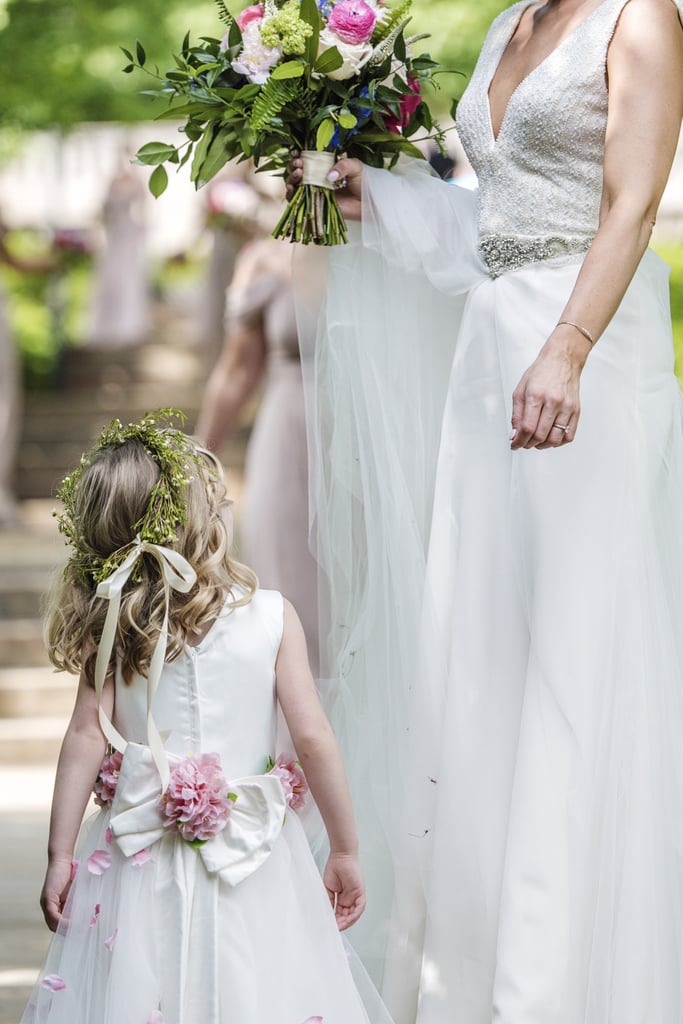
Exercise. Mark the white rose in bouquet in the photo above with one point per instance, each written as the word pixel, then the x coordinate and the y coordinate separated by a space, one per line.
pixel 354 55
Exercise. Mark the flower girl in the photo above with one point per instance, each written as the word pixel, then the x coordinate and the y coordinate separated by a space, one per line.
pixel 192 895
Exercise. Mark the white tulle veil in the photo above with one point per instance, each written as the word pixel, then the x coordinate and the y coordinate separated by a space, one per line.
pixel 378 321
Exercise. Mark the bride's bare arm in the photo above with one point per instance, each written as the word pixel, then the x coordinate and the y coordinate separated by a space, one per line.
pixel 645 69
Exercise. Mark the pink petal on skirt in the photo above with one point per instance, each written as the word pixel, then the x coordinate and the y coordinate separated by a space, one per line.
pixel 141 857
pixel 53 983
pixel 99 862
pixel 111 941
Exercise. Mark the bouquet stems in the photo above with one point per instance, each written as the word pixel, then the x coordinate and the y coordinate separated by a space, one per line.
pixel 313 214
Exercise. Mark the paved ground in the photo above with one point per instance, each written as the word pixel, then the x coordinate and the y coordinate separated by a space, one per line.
pixel 24 807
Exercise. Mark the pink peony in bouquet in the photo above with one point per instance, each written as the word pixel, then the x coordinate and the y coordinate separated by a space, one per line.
pixel 321 76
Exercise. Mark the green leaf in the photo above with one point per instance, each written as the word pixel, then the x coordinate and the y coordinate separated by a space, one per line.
pixel 324 135
pixel 158 181
pixel 290 69
pixel 311 15
pixel 234 35
pixel 186 156
pixel 216 156
pixel 128 68
pixel 127 53
pixel 347 119
pixel 186 44
pixel 328 61
pixel 154 153
pixel 142 56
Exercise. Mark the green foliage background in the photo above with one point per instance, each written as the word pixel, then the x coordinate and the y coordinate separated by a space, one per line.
pixel 62 62
pixel 62 66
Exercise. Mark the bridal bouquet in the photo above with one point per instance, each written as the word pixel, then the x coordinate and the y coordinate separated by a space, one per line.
pixel 322 76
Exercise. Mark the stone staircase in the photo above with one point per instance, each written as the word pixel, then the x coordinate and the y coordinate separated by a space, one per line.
pixel 95 387
pixel 35 701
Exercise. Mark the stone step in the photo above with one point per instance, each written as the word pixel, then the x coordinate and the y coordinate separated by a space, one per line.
pixel 21 643
pixel 33 740
pixel 22 592
pixel 27 692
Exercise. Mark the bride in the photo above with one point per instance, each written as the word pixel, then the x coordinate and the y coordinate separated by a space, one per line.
pixel 505 652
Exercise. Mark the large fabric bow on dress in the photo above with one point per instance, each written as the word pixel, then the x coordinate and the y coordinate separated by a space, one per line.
pixel 255 822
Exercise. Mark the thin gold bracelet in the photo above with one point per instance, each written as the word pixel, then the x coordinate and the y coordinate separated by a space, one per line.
pixel 586 333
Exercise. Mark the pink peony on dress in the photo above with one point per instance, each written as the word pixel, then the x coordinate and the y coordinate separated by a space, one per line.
pixel 236 931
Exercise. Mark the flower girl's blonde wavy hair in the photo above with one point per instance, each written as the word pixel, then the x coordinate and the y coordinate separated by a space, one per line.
pixel 113 493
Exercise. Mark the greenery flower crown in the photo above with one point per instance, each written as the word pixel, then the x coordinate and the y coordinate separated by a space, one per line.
pixel 170 448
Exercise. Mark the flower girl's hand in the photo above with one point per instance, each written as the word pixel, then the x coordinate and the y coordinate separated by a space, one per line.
pixel 345 887
pixel 55 890
pixel 346 176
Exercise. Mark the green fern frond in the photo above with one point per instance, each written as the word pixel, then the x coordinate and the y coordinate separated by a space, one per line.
pixel 399 14
pixel 274 96
pixel 223 13
pixel 386 47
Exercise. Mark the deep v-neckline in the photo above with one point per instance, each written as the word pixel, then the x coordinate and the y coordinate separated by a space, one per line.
pixel 513 29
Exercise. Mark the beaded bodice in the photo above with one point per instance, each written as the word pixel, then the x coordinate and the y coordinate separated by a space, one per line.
pixel 541 179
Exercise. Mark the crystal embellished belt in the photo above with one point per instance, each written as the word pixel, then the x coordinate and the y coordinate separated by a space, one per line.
pixel 502 253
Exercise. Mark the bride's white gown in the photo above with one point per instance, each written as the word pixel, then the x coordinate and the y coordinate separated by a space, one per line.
pixel 512 709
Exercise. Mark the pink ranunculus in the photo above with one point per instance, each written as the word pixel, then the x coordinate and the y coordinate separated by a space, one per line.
pixel 291 775
pixel 53 983
pixel 106 781
pixel 409 104
pixel 196 801
pixel 353 21
pixel 99 862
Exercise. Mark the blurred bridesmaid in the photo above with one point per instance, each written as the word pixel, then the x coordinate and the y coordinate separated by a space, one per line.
pixel 262 346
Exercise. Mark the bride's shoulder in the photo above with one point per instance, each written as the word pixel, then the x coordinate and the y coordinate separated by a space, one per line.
pixel 645 57
pixel 643 22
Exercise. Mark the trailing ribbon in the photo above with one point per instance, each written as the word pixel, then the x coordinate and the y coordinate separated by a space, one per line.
pixel 177 574
pixel 246 841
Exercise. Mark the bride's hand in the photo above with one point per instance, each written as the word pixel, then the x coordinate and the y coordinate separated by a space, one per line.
pixel 347 177
pixel 545 403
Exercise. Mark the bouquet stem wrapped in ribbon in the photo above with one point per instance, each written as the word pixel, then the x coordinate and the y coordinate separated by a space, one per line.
pixel 324 77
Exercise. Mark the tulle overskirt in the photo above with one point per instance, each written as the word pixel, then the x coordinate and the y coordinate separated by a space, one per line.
pixel 164 942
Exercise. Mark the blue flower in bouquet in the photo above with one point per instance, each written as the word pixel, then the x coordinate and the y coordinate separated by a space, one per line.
pixel 325 7
pixel 362 115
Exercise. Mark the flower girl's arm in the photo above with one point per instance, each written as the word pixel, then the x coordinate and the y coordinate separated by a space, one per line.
pixel 318 752
pixel 79 762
